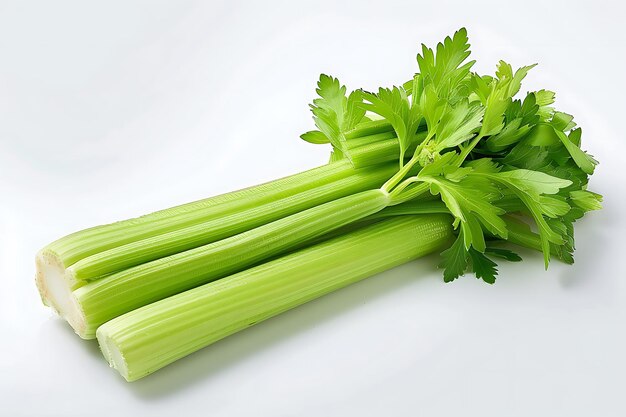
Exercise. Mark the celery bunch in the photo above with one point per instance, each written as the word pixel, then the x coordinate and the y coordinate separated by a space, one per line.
pixel 449 160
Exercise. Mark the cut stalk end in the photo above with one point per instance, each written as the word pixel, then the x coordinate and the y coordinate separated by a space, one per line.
pixel 112 353
pixel 55 289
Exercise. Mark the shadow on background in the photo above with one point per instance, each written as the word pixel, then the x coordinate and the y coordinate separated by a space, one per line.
pixel 58 326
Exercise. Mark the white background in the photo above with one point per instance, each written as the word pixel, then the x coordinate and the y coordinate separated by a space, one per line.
pixel 109 110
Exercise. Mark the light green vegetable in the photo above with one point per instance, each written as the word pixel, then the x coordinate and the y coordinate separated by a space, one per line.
pixel 222 226
pixel 96 252
pixel 478 150
pixel 447 142
pixel 146 339
pixel 116 294
pixel 86 256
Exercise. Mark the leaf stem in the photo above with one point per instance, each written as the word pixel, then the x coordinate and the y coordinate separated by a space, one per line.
pixel 466 151
pixel 399 176
pixel 402 195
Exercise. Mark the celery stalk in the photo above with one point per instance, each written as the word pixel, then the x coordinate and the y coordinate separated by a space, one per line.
pixel 145 250
pixel 144 340
pixel 96 302
pixel 368 140
pixel 76 246
pixel 84 255
pixel 384 149
pixel 367 128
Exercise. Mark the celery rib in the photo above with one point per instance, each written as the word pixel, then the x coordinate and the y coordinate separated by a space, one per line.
pixel 386 150
pixel 151 337
pixel 368 128
pixel 79 245
pixel 116 294
pixel 145 250
pixel 367 140
pixel 368 153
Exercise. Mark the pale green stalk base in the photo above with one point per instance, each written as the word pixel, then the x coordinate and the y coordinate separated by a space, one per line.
pixel 144 340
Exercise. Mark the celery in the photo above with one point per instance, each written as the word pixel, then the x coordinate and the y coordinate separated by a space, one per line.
pixel 368 153
pixel 229 224
pixel 96 302
pixel 144 340
pixel 98 251
pixel 76 246
pixel 371 127
pixel 483 153
pixel 455 141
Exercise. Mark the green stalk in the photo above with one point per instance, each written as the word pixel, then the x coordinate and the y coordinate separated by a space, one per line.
pixel 76 246
pixel 90 305
pixel 412 208
pixel 367 140
pixel 368 128
pixel 367 155
pixel 399 176
pixel 146 339
pixel 79 245
pixel 99 301
pixel 468 149
pixel 521 234
pixel 386 150
pixel 145 250
pixel 84 256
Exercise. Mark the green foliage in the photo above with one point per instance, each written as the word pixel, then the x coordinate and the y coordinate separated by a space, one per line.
pixel 506 254
pixel 481 152
pixel 334 113
pixel 446 69
pixel 394 105
pixel 455 260
pixel 483 267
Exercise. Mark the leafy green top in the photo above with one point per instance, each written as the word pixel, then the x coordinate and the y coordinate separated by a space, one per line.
pixel 497 163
